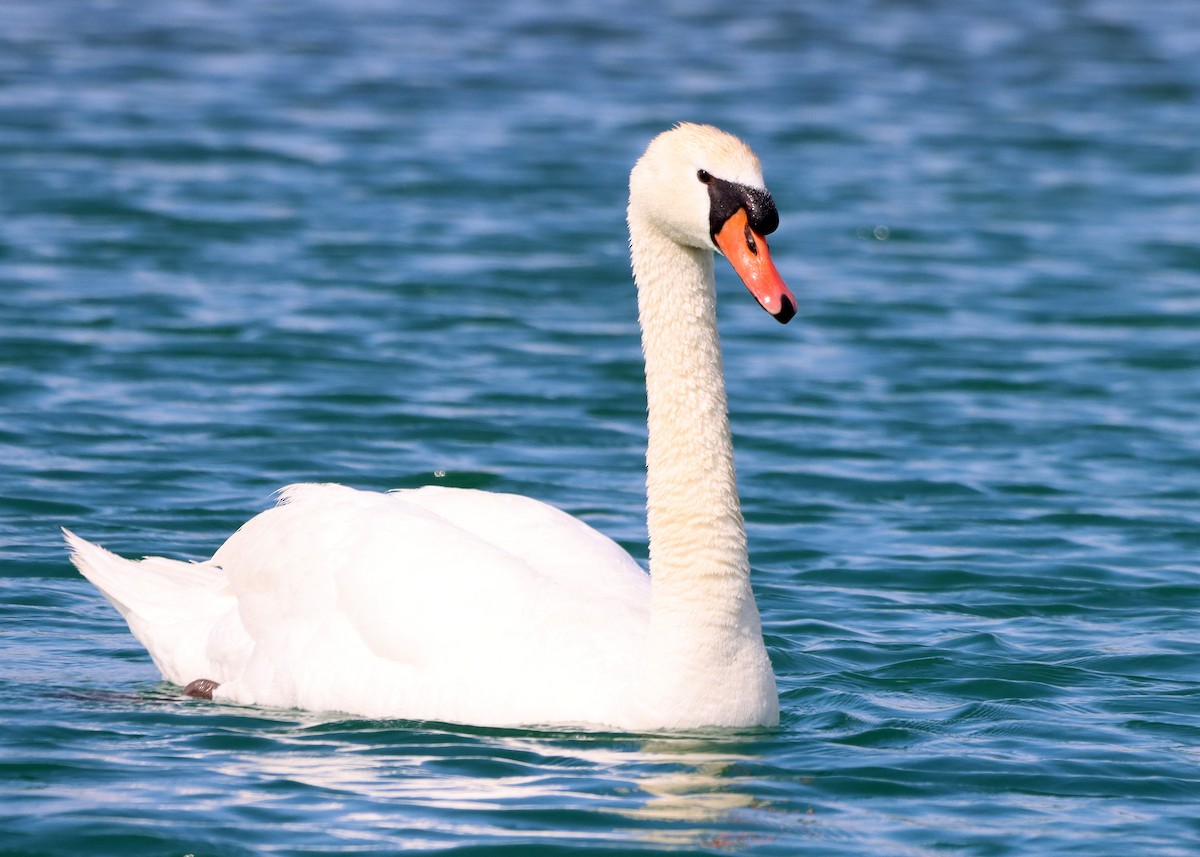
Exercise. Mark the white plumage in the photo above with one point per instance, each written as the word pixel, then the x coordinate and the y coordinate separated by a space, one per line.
pixel 494 609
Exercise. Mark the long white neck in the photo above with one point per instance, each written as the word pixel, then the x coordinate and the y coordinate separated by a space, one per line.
pixel 705 644
pixel 693 514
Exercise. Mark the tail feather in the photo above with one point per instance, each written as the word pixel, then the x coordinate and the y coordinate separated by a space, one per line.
pixel 172 607
pixel 154 587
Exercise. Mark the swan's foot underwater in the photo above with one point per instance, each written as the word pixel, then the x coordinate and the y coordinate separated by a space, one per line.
pixel 201 688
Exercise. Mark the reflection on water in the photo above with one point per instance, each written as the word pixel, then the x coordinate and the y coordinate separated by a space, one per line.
pixel 698 795
pixel 668 791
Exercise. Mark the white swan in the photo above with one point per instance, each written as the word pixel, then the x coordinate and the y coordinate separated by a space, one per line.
pixel 494 609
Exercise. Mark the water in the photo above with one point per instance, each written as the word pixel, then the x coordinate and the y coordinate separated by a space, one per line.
pixel 243 245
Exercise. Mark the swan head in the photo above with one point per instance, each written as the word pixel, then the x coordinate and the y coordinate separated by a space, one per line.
pixel 703 188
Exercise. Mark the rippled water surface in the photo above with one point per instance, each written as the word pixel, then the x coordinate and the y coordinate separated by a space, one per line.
pixel 248 244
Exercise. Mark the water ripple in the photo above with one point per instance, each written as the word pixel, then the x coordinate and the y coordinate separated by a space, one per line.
pixel 242 246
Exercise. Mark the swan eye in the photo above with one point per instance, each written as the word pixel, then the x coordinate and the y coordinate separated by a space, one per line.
pixel 704 176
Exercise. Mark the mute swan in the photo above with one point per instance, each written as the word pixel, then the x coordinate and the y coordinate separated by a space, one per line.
pixel 493 609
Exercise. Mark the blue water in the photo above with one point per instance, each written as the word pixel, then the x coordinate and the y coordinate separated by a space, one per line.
pixel 248 244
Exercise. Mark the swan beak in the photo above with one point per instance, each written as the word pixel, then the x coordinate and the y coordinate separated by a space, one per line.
pixel 747 251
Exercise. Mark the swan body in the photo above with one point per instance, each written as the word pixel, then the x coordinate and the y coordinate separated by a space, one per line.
pixel 493 609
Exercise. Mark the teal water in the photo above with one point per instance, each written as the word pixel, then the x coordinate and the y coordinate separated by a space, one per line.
pixel 248 244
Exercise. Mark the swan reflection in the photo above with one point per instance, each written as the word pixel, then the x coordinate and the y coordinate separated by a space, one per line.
pixel 442 783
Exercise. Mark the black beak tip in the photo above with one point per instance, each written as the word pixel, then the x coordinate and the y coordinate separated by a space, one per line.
pixel 787 311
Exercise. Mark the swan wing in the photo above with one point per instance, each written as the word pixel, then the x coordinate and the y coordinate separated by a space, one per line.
pixel 434 603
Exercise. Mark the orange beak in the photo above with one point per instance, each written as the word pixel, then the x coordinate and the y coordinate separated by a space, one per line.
pixel 747 251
